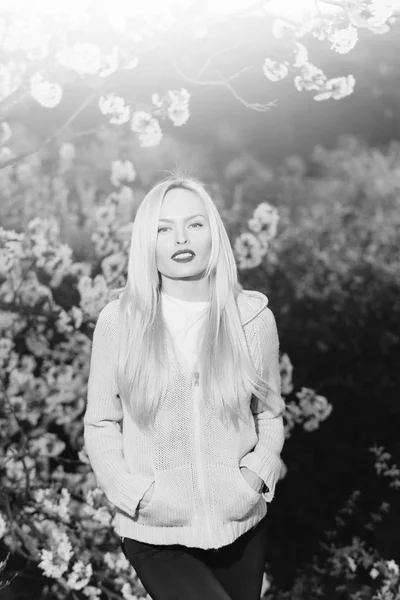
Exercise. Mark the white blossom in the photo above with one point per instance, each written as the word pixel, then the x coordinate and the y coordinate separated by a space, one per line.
pixel 152 135
pixel 122 170
pixel 106 214
pixel 132 63
pixel 140 120
pixel 337 88
pixel 248 251
pixel 178 111
pixel 77 316
pixel 275 71
pixel 127 592
pixel 54 506
pixel 10 39
pixel 157 100
pixel 280 28
pixel 6 345
pixel 147 128
pixel 12 75
pixel 116 107
pixel 352 564
pixel 44 92
pixel 322 30
pixel 126 195
pixel 5 132
pixel 55 562
pixel 24 172
pixel 286 371
pixel 6 154
pixel 67 151
pixel 83 58
pixel 392 566
pixel 32 37
pixel 80 575
pixel 372 15
pixel 265 220
pixel 374 573
pixel 117 562
pixel 93 294
pixel 113 265
pixel 18 470
pixel 91 592
pixel 313 405
pixel 311 78
pixel 344 40
pixel 111 62
pixel 301 56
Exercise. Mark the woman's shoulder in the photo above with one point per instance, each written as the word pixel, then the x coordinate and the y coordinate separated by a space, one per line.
pixel 251 303
pixel 108 315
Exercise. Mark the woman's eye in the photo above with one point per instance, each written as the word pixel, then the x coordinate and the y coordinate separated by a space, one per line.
pixel 161 228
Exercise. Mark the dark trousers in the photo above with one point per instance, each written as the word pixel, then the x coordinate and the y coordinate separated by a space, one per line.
pixel 176 572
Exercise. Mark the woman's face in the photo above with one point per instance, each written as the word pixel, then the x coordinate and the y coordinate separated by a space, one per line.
pixel 183 225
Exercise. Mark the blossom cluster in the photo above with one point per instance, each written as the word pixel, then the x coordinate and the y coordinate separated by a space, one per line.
pixel 95 43
pixel 252 246
pixel 342 34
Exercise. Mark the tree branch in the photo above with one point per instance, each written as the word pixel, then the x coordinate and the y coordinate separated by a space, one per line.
pixel 53 136
pixel 252 105
pixel 226 83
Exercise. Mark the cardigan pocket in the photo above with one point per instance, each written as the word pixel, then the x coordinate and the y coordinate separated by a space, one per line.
pixel 230 496
pixel 172 501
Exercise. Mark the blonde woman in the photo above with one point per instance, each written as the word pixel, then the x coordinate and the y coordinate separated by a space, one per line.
pixel 183 425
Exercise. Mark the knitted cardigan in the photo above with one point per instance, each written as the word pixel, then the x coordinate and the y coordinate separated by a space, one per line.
pixel 200 497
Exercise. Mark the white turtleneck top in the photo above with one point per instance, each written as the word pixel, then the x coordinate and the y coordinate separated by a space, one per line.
pixel 184 320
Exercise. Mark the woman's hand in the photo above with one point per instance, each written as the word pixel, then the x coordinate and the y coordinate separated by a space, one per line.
pixel 147 496
pixel 252 479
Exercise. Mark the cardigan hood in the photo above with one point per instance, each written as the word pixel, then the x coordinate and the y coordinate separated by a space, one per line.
pixel 250 304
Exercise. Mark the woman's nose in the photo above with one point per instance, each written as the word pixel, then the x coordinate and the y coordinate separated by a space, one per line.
pixel 181 236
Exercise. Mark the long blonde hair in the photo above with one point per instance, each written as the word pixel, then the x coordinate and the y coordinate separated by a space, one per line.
pixel 228 374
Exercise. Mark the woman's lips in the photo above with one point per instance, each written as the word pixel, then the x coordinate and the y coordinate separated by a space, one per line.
pixel 186 259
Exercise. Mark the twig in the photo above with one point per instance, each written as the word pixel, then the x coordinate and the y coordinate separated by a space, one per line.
pixel 252 105
pixel 211 58
pixel 226 83
pixel 78 134
pixel 22 156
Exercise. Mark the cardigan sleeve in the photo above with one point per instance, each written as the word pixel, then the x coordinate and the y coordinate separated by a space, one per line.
pixel 103 417
pixel 264 459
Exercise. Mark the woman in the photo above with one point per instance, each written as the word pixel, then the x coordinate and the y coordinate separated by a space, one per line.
pixel 183 425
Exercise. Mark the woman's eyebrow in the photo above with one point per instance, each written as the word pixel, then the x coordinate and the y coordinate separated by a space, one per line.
pixel 186 218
